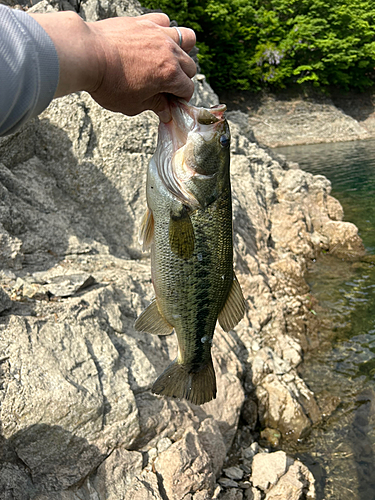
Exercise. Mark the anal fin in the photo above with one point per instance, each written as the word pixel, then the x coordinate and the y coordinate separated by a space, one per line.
pixel 151 321
pixel 234 307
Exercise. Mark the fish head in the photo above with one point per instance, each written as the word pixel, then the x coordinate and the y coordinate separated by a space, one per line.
pixel 194 151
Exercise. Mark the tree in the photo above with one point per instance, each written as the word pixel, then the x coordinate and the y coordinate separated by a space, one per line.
pixel 250 44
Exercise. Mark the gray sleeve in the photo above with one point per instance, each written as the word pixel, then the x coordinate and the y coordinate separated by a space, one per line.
pixel 29 69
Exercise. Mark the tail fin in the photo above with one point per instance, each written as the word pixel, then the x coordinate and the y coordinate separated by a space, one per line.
pixel 197 385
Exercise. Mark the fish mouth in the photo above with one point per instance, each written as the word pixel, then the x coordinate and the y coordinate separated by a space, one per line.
pixel 185 119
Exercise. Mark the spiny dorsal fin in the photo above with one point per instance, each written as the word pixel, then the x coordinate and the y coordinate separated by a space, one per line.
pixel 234 307
pixel 151 321
pixel 181 233
pixel 146 231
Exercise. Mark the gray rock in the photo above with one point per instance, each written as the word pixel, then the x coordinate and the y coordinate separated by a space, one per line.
pixel 15 483
pixel 227 483
pixel 253 494
pixel 5 302
pixel 232 494
pixel 115 475
pixel 234 473
pixel 280 120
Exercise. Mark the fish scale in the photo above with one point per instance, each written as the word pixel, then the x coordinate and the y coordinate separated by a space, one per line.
pixel 201 291
pixel 188 226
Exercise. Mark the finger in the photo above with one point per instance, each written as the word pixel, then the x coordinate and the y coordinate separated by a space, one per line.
pixel 181 86
pixel 157 18
pixel 187 64
pixel 188 37
pixel 160 105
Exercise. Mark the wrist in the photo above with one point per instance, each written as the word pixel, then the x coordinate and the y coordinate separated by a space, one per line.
pixel 76 48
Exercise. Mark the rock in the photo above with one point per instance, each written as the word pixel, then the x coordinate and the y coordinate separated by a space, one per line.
pixel 143 487
pixel 227 483
pixel 271 436
pixel 252 450
pixel 250 413
pixel 244 485
pixel 268 468
pixel 65 286
pixel 288 118
pixel 115 475
pixel 15 483
pixel 189 456
pixel 234 473
pixel 232 494
pixel 297 484
pixel 5 302
pixel 213 442
pixel 253 494
pixel 93 10
pixel 163 444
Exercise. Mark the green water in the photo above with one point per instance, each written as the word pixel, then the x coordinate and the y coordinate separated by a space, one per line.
pixel 341 449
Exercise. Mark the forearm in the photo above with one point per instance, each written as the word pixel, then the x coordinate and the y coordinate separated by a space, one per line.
pixel 77 51
pixel 29 69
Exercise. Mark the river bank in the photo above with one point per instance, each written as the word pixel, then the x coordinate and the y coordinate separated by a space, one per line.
pixel 293 117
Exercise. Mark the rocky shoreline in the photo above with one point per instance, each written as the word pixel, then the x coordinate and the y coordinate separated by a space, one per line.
pixel 77 418
pixel 293 117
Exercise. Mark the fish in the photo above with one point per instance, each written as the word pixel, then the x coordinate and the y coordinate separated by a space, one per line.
pixel 188 229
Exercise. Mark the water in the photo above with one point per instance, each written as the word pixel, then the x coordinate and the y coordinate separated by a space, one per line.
pixel 341 449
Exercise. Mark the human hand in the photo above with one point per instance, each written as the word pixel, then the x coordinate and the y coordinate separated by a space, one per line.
pixel 142 61
pixel 127 64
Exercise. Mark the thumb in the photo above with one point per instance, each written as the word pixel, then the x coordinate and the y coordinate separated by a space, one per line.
pixel 160 105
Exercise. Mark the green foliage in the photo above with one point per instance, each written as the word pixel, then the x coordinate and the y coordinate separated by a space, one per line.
pixel 252 44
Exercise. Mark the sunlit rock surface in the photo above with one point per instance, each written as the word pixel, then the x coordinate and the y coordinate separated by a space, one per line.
pixel 78 420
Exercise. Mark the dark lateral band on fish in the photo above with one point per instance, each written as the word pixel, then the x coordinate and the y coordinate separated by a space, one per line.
pixel 188 227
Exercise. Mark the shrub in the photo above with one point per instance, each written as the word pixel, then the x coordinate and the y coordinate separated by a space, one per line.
pixel 252 44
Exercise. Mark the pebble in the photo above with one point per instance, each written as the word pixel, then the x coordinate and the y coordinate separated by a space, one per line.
pixel 234 473
pixel 245 468
pixel 252 450
pixel 227 483
pixel 244 485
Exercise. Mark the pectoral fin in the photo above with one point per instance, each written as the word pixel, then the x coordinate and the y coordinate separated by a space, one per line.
pixel 146 231
pixel 234 307
pixel 151 321
pixel 181 232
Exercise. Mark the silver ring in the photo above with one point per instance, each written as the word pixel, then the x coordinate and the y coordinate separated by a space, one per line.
pixel 179 35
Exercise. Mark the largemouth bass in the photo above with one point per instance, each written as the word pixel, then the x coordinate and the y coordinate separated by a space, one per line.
pixel 188 225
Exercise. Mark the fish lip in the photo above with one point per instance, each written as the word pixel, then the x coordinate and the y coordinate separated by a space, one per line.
pixel 217 111
pixel 185 119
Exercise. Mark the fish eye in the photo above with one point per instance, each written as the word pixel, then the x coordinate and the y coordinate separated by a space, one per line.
pixel 224 140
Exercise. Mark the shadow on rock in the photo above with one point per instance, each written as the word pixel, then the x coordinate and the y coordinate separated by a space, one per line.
pixel 41 460
pixel 58 200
